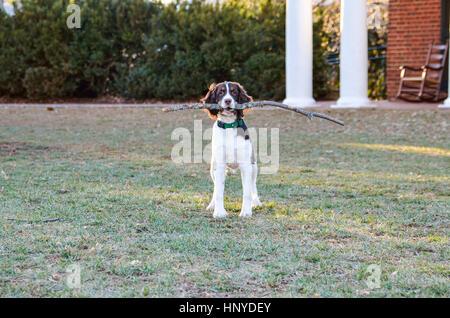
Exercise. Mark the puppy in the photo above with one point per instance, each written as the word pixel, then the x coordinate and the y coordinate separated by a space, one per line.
pixel 231 146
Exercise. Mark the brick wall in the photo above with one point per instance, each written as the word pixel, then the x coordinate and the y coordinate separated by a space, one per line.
pixel 412 25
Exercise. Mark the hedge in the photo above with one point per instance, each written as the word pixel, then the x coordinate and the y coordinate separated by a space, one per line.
pixel 141 49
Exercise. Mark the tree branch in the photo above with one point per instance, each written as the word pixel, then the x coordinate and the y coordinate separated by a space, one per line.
pixel 258 104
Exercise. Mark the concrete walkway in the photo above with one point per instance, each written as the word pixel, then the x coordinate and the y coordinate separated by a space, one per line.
pixel 384 104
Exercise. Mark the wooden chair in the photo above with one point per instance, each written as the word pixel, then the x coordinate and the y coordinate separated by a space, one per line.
pixel 427 85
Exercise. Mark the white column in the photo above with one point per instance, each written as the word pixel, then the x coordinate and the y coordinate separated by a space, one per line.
pixel 447 101
pixel 353 55
pixel 299 53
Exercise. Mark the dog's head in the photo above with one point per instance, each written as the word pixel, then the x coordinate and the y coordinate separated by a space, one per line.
pixel 227 95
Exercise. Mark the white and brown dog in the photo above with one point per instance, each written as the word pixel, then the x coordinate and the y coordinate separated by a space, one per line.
pixel 231 146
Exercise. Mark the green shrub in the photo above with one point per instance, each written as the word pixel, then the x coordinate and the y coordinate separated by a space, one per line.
pixel 43 82
pixel 140 49
pixel 34 51
pixel 321 68
pixel 12 61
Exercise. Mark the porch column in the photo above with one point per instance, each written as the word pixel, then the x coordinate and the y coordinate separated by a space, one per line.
pixel 353 55
pixel 447 101
pixel 299 53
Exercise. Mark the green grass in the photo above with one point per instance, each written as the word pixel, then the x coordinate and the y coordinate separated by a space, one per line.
pixel 376 191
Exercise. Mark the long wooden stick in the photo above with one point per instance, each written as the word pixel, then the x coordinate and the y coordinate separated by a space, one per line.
pixel 263 103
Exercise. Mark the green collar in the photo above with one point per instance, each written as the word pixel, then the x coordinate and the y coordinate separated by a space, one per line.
pixel 237 123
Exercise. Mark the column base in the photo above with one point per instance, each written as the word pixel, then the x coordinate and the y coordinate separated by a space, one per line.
pixel 446 104
pixel 353 102
pixel 302 102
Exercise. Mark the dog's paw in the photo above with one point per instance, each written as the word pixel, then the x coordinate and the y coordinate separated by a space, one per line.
pixel 256 202
pixel 210 207
pixel 219 213
pixel 246 213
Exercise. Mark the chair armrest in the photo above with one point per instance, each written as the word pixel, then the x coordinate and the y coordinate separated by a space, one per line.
pixel 434 68
pixel 411 68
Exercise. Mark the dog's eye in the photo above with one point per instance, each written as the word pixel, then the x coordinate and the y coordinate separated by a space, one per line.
pixel 221 92
pixel 234 92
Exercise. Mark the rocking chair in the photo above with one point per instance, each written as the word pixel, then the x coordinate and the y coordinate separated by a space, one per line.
pixel 427 85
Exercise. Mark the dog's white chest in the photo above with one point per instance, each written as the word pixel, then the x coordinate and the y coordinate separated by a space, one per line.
pixel 231 147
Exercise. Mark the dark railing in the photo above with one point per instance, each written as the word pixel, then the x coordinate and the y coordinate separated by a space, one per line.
pixel 333 57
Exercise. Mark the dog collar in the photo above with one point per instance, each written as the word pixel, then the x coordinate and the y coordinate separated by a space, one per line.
pixel 236 124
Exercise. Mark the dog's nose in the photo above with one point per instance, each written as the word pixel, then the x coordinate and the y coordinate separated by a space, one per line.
pixel 227 102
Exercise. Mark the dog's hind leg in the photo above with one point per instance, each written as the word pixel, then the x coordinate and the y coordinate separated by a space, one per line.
pixel 212 170
pixel 219 184
pixel 246 175
pixel 255 198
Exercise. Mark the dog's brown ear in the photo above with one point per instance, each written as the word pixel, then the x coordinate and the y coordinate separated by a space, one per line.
pixel 211 98
pixel 212 113
pixel 243 96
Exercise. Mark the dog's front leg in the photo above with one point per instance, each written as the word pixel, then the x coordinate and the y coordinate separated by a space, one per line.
pixel 219 185
pixel 213 171
pixel 246 175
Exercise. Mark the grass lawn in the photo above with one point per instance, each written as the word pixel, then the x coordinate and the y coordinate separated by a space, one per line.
pixel 97 187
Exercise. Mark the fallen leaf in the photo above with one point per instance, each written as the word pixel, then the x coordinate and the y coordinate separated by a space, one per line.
pixel 4 175
pixel 364 292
